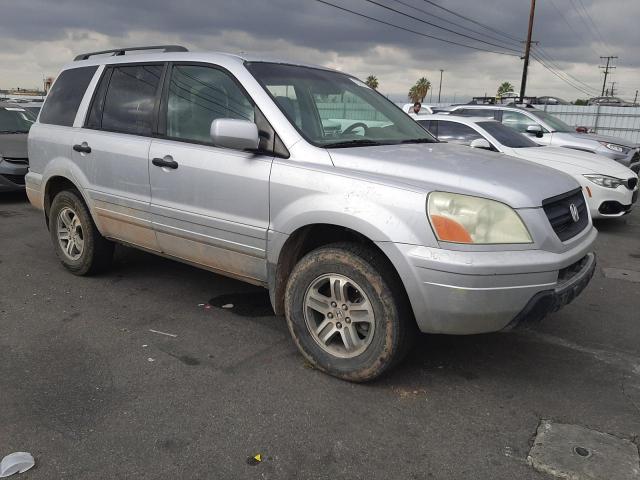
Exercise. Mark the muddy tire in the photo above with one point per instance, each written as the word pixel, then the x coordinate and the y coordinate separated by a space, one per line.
pixel 77 241
pixel 347 312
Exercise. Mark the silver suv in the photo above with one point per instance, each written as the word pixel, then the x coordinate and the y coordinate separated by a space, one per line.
pixel 309 183
pixel 545 129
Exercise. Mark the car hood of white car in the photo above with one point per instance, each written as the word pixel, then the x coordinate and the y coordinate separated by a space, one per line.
pixel 572 161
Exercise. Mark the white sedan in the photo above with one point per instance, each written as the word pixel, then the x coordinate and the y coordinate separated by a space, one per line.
pixel 611 189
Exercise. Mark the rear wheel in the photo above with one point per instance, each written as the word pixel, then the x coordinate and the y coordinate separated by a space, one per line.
pixel 347 313
pixel 77 241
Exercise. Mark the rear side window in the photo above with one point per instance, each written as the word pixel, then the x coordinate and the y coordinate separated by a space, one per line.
pixel 65 96
pixel 131 98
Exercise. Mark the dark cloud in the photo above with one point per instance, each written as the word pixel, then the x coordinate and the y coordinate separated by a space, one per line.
pixel 562 27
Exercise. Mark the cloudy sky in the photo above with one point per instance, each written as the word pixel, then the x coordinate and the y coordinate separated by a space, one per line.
pixel 39 36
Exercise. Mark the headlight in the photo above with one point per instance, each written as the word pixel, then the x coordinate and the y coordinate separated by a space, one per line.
pixel 466 219
pixel 615 148
pixel 605 180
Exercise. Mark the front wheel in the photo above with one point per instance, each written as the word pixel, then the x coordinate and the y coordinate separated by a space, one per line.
pixel 77 241
pixel 347 313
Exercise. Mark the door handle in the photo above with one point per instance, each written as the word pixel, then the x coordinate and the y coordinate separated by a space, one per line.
pixel 166 162
pixel 82 148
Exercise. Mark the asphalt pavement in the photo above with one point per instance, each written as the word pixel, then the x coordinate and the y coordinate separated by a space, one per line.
pixel 93 393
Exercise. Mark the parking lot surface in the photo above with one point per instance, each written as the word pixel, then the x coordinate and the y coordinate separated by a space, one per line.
pixel 91 391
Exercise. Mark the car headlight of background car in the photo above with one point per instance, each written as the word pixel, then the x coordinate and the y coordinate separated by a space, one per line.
pixel 467 219
pixel 615 148
pixel 604 180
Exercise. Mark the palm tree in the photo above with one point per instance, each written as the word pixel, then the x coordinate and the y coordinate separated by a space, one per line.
pixel 372 82
pixel 419 91
pixel 504 87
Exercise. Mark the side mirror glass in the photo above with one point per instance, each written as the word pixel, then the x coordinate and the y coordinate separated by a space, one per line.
pixel 480 143
pixel 235 134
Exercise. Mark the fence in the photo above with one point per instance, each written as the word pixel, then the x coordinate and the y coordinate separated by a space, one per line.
pixel 623 122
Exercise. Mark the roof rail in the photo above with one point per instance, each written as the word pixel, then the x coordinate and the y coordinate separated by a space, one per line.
pixel 121 51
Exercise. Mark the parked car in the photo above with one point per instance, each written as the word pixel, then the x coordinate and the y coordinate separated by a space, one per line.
pixel 548 100
pixel 360 236
pixel 609 102
pixel 15 122
pixel 546 129
pixel 610 188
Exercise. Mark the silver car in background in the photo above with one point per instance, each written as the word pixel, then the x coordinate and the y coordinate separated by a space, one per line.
pixel 546 129
pixel 304 180
pixel 15 122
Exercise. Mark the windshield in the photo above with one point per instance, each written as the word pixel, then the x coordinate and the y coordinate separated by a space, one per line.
pixel 555 123
pixel 333 110
pixel 507 136
pixel 15 120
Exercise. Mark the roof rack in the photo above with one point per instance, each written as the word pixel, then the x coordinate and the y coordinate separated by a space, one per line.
pixel 121 51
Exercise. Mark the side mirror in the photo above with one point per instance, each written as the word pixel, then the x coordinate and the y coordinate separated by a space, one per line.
pixel 535 130
pixel 582 130
pixel 480 143
pixel 235 134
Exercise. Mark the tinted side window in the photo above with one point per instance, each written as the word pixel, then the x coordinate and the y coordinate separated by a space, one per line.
pixel 65 96
pixel 456 133
pixel 198 96
pixel 130 99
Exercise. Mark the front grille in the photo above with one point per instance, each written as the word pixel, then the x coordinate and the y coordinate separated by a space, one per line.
pixel 558 210
pixel 17 179
pixel 632 182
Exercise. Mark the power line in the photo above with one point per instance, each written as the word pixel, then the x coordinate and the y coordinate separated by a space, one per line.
pixel 437 26
pixel 597 30
pixel 554 72
pixel 383 22
pixel 577 32
pixel 588 22
pixel 551 61
pixel 459 25
pixel 475 22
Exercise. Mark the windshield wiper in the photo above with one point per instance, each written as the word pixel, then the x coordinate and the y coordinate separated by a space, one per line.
pixel 419 140
pixel 353 143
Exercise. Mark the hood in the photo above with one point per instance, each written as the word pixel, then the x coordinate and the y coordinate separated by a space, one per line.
pixel 13 145
pixel 458 169
pixel 574 161
pixel 603 138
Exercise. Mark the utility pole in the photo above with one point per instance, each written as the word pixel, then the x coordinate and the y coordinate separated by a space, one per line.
pixel 527 50
pixel 635 100
pixel 606 69
pixel 613 84
pixel 440 87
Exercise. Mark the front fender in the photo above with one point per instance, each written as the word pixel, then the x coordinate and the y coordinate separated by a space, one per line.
pixel 383 213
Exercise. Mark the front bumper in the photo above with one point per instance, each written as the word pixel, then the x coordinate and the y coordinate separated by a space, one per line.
pixel 543 303
pixel 469 292
pixel 12 176
pixel 610 202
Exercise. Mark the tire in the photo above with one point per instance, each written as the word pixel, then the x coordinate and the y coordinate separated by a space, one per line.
pixel 373 292
pixel 69 218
